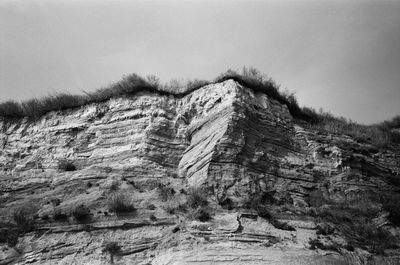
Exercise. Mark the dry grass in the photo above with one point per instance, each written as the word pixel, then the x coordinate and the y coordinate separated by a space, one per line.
pixel 121 202
pixel 379 134
pixel 354 220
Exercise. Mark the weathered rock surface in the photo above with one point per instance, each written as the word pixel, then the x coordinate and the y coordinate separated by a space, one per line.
pixel 225 137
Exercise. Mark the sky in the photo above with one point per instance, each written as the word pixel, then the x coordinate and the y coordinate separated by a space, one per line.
pixel 342 56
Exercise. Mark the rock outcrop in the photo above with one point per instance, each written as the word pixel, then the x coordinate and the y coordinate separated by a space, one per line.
pixel 236 145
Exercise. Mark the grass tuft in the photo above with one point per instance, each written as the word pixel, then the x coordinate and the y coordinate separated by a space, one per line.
pixel 120 203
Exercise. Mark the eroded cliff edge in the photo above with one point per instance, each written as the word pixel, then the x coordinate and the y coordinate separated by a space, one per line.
pixel 236 145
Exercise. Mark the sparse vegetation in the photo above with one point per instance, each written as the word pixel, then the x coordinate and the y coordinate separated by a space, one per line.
pixel 23 221
pixel 151 206
pixel 114 185
pixel 81 213
pixel 196 201
pixel 380 134
pixel 390 204
pixel 325 229
pixel 120 203
pixel 354 220
pixel 59 216
pixel 9 234
pixel 24 218
pixel 197 197
pixel 66 165
pixel 165 192
pixel 260 202
pixel 113 249
pixel 153 217
pixel 174 208
pixel 202 214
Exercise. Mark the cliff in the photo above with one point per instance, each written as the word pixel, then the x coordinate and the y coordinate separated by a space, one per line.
pixel 222 175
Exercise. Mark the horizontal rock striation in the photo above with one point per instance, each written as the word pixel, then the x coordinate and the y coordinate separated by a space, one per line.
pixel 236 144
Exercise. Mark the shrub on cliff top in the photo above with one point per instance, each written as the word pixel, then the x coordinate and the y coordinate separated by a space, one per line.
pixel 133 83
pixel 252 78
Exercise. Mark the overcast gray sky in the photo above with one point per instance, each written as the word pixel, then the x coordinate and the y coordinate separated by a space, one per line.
pixel 343 56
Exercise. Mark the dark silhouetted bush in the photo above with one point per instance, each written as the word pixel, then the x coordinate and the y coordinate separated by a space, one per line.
pixel 66 165
pixel 11 109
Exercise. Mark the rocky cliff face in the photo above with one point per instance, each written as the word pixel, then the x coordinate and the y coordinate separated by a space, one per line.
pixel 268 180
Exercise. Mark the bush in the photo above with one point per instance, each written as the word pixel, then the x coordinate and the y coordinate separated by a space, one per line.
pixel 253 79
pixel 81 213
pixel 197 197
pixel 120 203
pixel 165 192
pixel 114 185
pixel 202 214
pixel 260 203
pixel 66 165
pixel 153 217
pixel 354 220
pixel 59 216
pixel 390 203
pixel 9 235
pixel 113 249
pixel 24 218
pixel 11 110
pixel 197 201
pixel 24 221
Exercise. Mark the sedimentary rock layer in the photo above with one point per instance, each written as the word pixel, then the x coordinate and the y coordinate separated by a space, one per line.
pixel 235 143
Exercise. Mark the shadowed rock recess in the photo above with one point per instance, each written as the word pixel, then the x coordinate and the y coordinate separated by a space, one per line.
pixel 223 175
